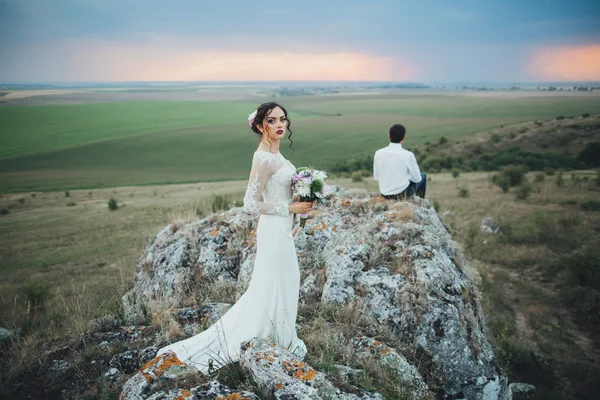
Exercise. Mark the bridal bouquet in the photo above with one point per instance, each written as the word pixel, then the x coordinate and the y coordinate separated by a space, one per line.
pixel 309 184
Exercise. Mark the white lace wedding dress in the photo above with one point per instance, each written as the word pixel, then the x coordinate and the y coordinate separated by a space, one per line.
pixel 269 306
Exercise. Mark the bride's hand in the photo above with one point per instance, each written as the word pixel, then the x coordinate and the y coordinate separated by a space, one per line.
pixel 301 207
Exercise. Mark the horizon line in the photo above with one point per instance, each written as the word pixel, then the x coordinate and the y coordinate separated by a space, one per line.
pixel 288 80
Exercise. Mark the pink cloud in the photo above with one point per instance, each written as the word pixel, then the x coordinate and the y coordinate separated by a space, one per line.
pixel 573 63
pixel 106 61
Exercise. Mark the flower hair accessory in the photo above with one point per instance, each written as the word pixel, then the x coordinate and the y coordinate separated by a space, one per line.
pixel 251 117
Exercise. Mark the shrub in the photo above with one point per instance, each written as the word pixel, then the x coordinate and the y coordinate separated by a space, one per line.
pixel 71 204
pixel 550 171
pixel 585 115
pixel 443 140
pixel 560 117
pixel 353 164
pixel 502 181
pixel 559 180
pixel 579 270
pixel 455 173
pixel 238 203
pixel 564 141
pixel 4 211
pixel 524 190
pixel 36 293
pixel 515 174
pixel 590 205
pixel 590 155
pixel 357 176
pixel 436 206
pixel 540 177
pixel 463 192
pixel 21 200
pixel 496 138
pixel 112 204
pixel 570 202
pixel 67 194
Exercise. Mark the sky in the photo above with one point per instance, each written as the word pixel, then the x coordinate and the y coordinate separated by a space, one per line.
pixel 371 40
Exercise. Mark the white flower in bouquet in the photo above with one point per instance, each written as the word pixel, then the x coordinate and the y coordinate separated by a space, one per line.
pixel 309 184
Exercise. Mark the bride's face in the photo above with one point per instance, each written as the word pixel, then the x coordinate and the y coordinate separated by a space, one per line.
pixel 274 125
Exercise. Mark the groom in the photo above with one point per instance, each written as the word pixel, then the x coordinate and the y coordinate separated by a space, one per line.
pixel 397 170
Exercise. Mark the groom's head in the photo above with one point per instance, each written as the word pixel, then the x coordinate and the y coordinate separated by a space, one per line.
pixel 397 133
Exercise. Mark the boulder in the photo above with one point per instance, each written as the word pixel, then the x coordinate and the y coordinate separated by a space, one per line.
pixel 396 259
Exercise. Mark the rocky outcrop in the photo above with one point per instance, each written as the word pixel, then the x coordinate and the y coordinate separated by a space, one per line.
pixel 396 259
pixel 283 375
pixel 150 380
pixel 406 373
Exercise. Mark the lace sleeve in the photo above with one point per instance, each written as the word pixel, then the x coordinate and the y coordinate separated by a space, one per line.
pixel 259 175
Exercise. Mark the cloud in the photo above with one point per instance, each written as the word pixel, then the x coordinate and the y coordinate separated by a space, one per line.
pixel 84 60
pixel 566 63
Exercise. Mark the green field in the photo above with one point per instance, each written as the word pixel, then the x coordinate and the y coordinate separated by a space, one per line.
pixel 75 258
pixel 113 144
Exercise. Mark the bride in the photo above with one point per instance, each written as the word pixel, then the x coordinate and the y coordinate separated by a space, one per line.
pixel 269 306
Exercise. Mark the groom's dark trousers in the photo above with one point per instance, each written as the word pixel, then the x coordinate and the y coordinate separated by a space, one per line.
pixel 412 189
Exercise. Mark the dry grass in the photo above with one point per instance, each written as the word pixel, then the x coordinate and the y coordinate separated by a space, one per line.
pixel 327 331
pixel 63 261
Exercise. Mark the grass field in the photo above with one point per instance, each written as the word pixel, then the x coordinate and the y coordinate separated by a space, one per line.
pixel 114 144
pixel 76 258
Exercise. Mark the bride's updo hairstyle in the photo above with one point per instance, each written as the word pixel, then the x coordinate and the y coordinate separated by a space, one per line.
pixel 262 113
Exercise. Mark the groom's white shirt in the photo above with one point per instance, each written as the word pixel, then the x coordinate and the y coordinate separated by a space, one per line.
pixel 395 167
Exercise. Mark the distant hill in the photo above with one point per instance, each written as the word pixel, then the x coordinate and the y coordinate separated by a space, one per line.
pixel 538 144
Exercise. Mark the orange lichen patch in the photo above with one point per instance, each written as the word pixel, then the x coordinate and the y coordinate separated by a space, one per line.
pixel 247 345
pixel 299 370
pixel 159 366
pixel 184 395
pixel 278 386
pixel 320 227
pixel 346 202
pixel 403 214
pixel 264 356
pixel 376 200
pixel 251 237
pixel 334 229
pixel 214 232
pixel 382 348
pixel 233 396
